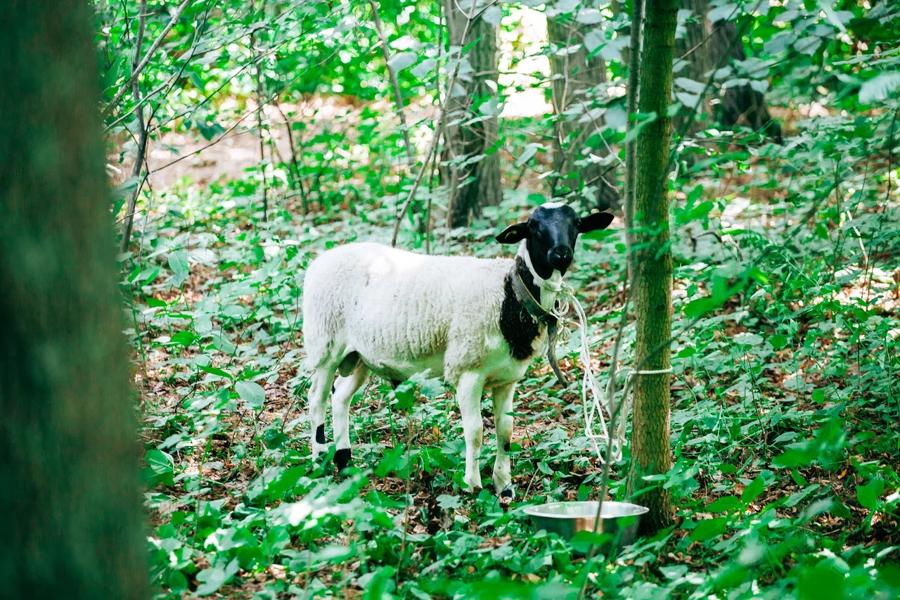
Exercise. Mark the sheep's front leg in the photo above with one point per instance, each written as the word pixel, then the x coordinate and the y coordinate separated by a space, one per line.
pixel 503 422
pixel 468 394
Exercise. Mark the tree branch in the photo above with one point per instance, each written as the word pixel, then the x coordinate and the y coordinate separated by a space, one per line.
pixel 153 47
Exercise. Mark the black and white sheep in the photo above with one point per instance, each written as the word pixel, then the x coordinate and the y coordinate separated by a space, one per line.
pixel 369 307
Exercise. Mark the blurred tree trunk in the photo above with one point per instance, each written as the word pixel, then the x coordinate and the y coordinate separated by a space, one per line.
pixel 69 476
pixel 574 74
pixel 471 161
pixel 708 45
pixel 652 268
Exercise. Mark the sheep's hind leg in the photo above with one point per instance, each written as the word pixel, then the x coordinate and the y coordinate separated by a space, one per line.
pixel 344 388
pixel 318 398
pixel 503 422
pixel 468 394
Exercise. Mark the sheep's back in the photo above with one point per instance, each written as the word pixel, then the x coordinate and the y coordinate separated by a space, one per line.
pixel 392 304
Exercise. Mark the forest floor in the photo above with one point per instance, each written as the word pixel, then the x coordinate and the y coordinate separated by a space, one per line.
pixel 784 404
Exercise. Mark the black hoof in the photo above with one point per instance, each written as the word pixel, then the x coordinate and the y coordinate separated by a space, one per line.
pixel 506 497
pixel 342 458
pixel 320 434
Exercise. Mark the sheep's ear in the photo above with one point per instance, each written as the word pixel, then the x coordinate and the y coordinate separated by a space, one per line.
pixel 594 221
pixel 513 233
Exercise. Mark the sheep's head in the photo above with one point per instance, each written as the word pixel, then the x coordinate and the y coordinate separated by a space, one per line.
pixel 550 233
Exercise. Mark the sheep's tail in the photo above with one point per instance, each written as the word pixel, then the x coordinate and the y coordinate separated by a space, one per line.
pixel 319 318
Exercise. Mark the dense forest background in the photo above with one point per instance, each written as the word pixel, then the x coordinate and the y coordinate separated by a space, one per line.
pixel 244 137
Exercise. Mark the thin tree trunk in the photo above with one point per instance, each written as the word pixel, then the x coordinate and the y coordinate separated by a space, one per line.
pixel 69 476
pixel 634 67
pixel 740 103
pixel 142 131
pixel 574 74
pixel 705 46
pixel 652 292
pixel 470 134
pixel 260 100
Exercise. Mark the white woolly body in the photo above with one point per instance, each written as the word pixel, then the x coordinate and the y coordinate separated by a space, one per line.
pixel 407 313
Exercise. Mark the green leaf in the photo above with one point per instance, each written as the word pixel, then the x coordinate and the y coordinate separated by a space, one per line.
pixel 753 490
pixel 821 582
pixel 213 578
pixel 593 39
pixel 869 494
pixel 708 529
pixel 447 501
pixel 184 338
pixel 689 85
pixel 492 15
pixel 178 263
pixel 589 16
pixel 879 88
pixel 160 468
pixel 252 393
pixel 722 12
pixel 793 457
pixel 747 339
pixel 723 504
pixel 527 154
pixel 403 60
pixel 215 371
pixel 688 100
pixel 778 341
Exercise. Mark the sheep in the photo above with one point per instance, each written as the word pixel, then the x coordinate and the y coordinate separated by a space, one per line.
pixel 372 308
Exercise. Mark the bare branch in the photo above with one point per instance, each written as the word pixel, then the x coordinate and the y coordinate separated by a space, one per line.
pixel 392 73
pixel 153 47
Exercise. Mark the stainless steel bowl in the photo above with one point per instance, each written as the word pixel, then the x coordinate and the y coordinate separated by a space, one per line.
pixel 619 519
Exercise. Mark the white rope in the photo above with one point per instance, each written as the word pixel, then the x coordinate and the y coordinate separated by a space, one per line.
pixel 593 407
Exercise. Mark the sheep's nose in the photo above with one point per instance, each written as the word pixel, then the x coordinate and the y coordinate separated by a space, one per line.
pixel 561 257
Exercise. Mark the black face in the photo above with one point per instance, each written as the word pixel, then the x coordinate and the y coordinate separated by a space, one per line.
pixel 550 235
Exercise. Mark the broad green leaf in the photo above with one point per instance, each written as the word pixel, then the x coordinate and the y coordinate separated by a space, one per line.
pixel 747 339
pixel 689 85
pixel 447 501
pixel 492 15
pixel 708 529
pixel 753 490
pixel 213 578
pixel 593 39
pixel 160 468
pixel 723 504
pixel 589 16
pixel 879 88
pixel 252 393
pixel 722 12
pixel 403 60
pixel 869 494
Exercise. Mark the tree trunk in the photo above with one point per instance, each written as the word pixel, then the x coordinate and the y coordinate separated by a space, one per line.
pixel 471 162
pixel 652 284
pixel 69 476
pixel 708 46
pixel 740 103
pixel 574 74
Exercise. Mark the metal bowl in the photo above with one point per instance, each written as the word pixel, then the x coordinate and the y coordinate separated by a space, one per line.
pixel 619 519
